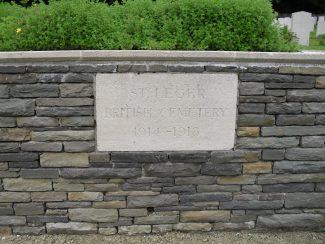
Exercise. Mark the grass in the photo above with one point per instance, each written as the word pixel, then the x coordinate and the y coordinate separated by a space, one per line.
pixel 314 43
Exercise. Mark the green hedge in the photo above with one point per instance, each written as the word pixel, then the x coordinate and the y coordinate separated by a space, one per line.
pixel 244 25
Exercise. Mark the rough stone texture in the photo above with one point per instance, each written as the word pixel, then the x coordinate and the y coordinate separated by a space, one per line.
pixel 204 216
pixel 192 227
pixel 71 228
pixel 290 187
pixel 84 135
pixel 28 230
pixel 267 142
pixel 251 88
pixel 134 229
pixel 257 168
pixel 306 95
pixel 14 134
pixel 99 173
pixel 76 90
pixel 39 173
pixel 85 196
pixel 295 120
pixel 17 107
pixel 93 215
pixel 64 160
pixel 12 220
pixel 14 196
pixel 152 201
pixel 248 131
pixel 297 167
pixel 305 200
pixel 37 122
pixel 20 184
pixel 42 90
pixel 29 209
pixel 289 221
pixel 305 154
pixel 168 169
pixel 221 169
pixel 41 146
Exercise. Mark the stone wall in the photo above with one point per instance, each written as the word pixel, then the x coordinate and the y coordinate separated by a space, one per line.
pixel 52 179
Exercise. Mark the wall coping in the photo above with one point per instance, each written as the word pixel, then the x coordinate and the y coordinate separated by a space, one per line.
pixel 305 57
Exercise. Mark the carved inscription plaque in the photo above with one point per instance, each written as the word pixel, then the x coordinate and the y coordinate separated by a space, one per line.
pixel 165 112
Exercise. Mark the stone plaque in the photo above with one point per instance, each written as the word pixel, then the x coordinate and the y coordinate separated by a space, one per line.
pixel 166 112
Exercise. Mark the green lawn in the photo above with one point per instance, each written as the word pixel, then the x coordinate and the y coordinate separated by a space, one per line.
pixel 314 43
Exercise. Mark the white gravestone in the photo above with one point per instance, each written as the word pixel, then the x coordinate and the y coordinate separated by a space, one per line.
pixel 285 22
pixel 162 111
pixel 321 18
pixel 302 24
pixel 320 27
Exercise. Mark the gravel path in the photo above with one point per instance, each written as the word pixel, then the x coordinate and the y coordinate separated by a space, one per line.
pixel 175 238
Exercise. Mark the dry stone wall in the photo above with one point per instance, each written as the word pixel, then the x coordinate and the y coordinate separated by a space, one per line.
pixel 52 179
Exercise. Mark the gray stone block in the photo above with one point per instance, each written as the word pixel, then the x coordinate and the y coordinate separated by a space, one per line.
pixel 305 154
pixel 295 119
pixel 287 178
pixel 221 169
pixel 292 85
pixel 9 147
pixel 14 134
pixel 18 78
pixel 291 187
pixel 186 68
pixel 157 68
pixel 78 78
pixel 305 200
pixel 156 219
pixel 12 69
pixel 293 130
pixel 265 77
pixel 251 188
pixel 12 220
pixel 17 107
pixel 48 68
pixel 64 205
pixel 29 209
pixel 197 180
pixel 21 185
pixel 6 209
pixel 31 164
pixel 313 141
pixel 188 199
pixel 142 157
pixel 218 188
pixel 49 78
pixel 262 69
pixel 14 197
pixel 253 204
pixel 65 135
pixel 177 189
pixel 251 108
pixel 77 121
pixel 4 91
pixel 230 156
pixel 28 230
pixel 76 90
pixel 320 120
pixel 192 227
pixel 37 122
pixel 296 167
pixel 93 68
pixel 71 228
pixel 267 142
pixel 41 146
pixel 273 92
pixel 98 157
pixel 283 108
pixel 172 169
pixel 320 187
pixel 7 122
pixel 79 146
pixel 251 88
pixel 289 221
pixel 314 95
pixel 189 157
pixel 273 154
pixel 161 200
pixel 38 90
pixel 224 68
pixel 18 157
pixel 134 229
pixel 65 111
pixel 123 68
pixel 255 120
pixel 47 219
pixel 99 173
pixel 39 173
pixel 310 108
pixel 261 99
pixel 64 102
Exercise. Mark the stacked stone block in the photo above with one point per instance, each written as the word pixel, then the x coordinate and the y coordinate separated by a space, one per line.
pixel 54 181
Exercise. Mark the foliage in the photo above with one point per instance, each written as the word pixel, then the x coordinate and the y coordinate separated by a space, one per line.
pixel 321 39
pixel 245 25
pixel 7 9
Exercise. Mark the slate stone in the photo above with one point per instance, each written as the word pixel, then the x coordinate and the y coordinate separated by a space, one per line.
pixel 29 208
pixel 71 228
pixel 14 197
pixel 41 146
pixel 12 69
pixel 76 90
pixel 99 173
pixel 261 99
pixel 296 167
pixel 78 78
pixel 157 68
pixel 4 91
pixel 292 85
pixel 289 221
pixel 77 121
pixel 9 147
pixel 224 68
pixel 64 160
pixel 311 70
pixel 189 157
pixel 273 154
pixel 18 157
pixel 48 68
pixel 262 69
pixel 251 88
pixel 290 187
pixel 320 187
pixel 310 108
pixel 218 188
pixel 37 122
pixel 251 108
pixel 305 200
pixel 267 142
pixel 28 230
pixel 252 77
pixel 313 95
pixel 172 169
pixel 65 135
pixel 19 184
pixel 64 205
pixel 305 154
pixel 275 92
pixel 283 108
pixel 39 173
pixel 38 90
pixel 295 119
pixel 142 157
pixel 12 220
pixel 79 146
pixel 205 216
pixel 253 204
pixel 49 78
pixel 177 189
pixel 186 68
pixel 197 180
pixel 17 107
pixel 64 111
pixel 221 169
pixel 93 68
pixel 47 219
pixel 230 156
pixel 288 178
pixel 255 120
pixel 313 141
pixel 134 229
pixel 6 209
pixel 7 122
pixel 156 219
pixel 123 68
pixel 152 201
pixel 31 164
pixel 205 197
pixel 64 102
pixel 293 130
pixel 192 227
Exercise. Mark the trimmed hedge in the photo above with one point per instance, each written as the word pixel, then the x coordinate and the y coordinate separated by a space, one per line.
pixel 243 25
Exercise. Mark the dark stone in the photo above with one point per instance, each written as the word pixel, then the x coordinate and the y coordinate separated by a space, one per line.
pixel 251 88
pixel 93 68
pixel 17 107
pixel 253 204
pixel 76 90
pixel 265 77
pixel 305 200
pixel 262 69
pixel 6 122
pixel 37 122
pixel 18 157
pixel 9 147
pixel 290 221
pixel 65 111
pixel 186 68
pixel 267 142
pixel 255 120
pixel 37 90
pixel 296 167
pixel 12 69
pixel 39 173
pixel 311 108
pixel 177 189
pixel 47 219
pixel 290 187
pixel 64 102
pixel 77 121
pixel 172 170
pixel 283 108
pixel 123 68
pixel 221 169
pixel 223 68
pixel 152 201
pixel 78 78
pixel 99 173
pixel 189 157
pixel 293 85
pixel 273 154
pixel 293 130
pixel 32 164
pixel 142 157
pixel 49 68
pixel 295 119
pixel 251 108
pixel 305 154
pixel 314 95
pixel 205 197
pixel 157 68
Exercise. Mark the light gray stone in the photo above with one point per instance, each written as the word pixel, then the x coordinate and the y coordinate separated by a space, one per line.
pixel 311 108
pixel 234 226
pixel 77 121
pixel 107 231
pixel 190 103
pixel 134 229
pixel 64 160
pixel 7 122
pixel 93 215
pixel 152 201
pixel 313 95
pixel 4 91
pixel 156 219
pixel 29 209
pixel 289 221
pixel 37 122
pixel 20 184
pixel 301 25
pixel 273 154
pixel 14 197
pixel 9 147
pixel 313 141
pixel 267 142
pixel 162 228
pixel 12 220
pixel 192 227
pixel 251 88
pixel 71 228
pixel 72 135
pixel 297 167
pixel 41 146
pixel 288 178
pixel 28 230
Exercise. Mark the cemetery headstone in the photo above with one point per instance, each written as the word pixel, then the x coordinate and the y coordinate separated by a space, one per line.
pixel 302 24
